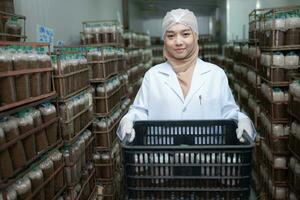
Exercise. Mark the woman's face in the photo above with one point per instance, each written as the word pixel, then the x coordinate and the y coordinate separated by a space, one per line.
pixel 179 41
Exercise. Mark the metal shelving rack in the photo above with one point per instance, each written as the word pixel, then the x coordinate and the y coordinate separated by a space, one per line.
pixel 4 16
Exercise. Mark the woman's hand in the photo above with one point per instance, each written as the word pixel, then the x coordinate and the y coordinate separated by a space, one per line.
pixel 125 130
pixel 244 124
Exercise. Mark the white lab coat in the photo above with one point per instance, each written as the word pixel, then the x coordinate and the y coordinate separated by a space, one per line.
pixel 160 96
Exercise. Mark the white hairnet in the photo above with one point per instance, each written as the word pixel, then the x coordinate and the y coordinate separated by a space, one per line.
pixel 181 16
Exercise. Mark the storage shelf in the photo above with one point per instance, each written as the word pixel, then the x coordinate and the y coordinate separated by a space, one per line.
pixel 280 48
pixel 30 102
pixel 30 165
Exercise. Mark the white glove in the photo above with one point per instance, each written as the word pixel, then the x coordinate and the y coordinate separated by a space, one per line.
pixel 244 124
pixel 126 128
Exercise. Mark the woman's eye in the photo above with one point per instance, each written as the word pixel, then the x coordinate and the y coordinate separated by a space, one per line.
pixel 170 36
pixel 186 34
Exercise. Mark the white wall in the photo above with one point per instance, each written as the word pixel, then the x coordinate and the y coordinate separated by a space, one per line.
pixel 237 18
pixel 135 18
pixel 203 24
pixel 65 16
pixel 223 21
pixel 154 25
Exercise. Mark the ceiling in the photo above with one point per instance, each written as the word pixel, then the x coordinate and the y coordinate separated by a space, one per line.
pixel 158 8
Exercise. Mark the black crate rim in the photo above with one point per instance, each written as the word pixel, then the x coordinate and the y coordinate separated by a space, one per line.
pixel 248 144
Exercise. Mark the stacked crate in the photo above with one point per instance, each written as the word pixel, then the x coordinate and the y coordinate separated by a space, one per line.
pixel 12 26
pixel 75 105
pixel 106 60
pixel 294 140
pixel 31 165
pixel 208 48
pixel 280 44
pixel 138 60
pixel 264 67
pixel 157 50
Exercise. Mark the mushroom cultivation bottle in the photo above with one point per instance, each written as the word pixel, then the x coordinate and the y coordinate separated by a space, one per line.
pixel 7 84
pixel 56 157
pixel 16 151
pixel 36 177
pixel 23 188
pixel 48 170
pixel 35 78
pixel 12 26
pixel 6 167
pixel 48 112
pixel 20 62
pixel 41 141
pixel 25 123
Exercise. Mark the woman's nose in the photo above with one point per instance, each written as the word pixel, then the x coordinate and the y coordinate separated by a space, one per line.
pixel 178 41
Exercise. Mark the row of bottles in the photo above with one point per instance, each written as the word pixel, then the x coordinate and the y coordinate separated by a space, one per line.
pixel 41 174
pixel 30 83
pixel 23 151
pixel 101 33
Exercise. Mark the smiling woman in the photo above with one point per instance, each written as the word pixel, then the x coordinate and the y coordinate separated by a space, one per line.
pixel 180 41
pixel 184 87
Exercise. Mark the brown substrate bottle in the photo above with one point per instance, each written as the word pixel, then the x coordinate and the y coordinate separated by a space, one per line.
pixel 101 106
pixel 81 153
pixel 16 150
pixel 67 169
pixel 76 110
pixel 37 179
pixel 110 35
pixel 25 123
pixel 41 141
pixel 7 84
pixel 97 161
pixel 35 78
pixel 45 62
pixel 72 85
pixel 81 108
pixel 48 170
pixel 90 168
pixel 108 192
pixel 292 36
pixel 88 38
pixel 11 193
pixel 278 39
pixel 106 172
pixel 13 27
pixel 84 178
pixel 88 147
pixel 56 157
pixel 102 138
pixel 48 112
pixel 22 81
pixel 23 188
pixel 7 6
pixel 66 113
pixel 6 167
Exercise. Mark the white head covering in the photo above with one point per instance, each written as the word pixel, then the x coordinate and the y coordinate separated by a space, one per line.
pixel 179 16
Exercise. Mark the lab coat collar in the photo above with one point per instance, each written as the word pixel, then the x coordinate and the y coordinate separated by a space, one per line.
pixel 197 81
pixel 201 68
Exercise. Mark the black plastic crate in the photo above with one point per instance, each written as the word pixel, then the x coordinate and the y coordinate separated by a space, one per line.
pixel 187 160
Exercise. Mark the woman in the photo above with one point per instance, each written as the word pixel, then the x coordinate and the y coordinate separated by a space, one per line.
pixel 184 87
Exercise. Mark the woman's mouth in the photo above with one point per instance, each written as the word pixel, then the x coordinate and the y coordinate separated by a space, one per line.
pixel 179 50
